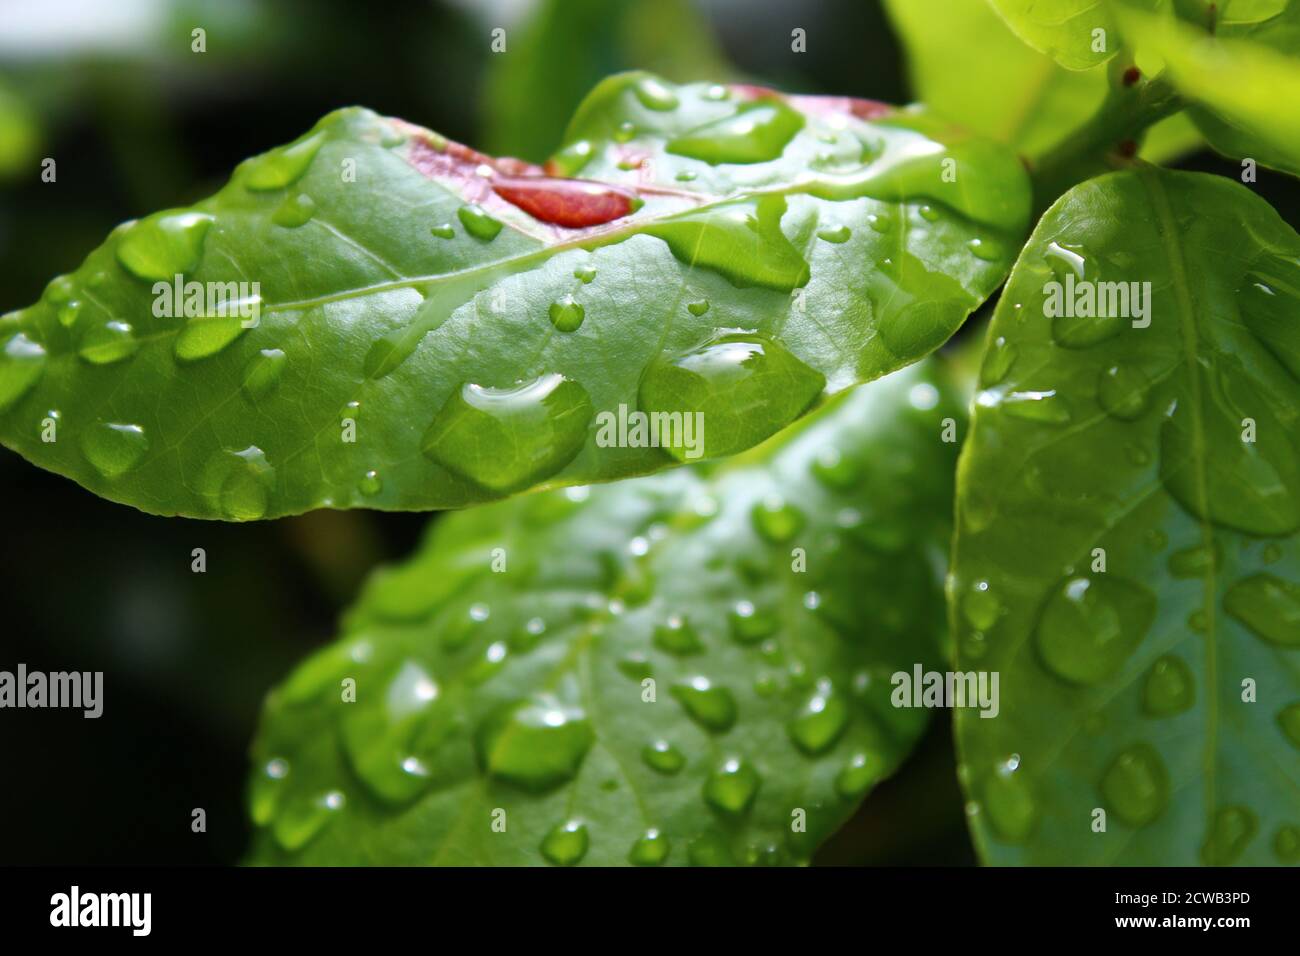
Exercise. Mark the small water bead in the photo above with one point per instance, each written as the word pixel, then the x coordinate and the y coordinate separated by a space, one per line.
pixel 928 213
pixel 879 222
pixel 776 520
pixel 654 95
pixel 1045 407
pixel 1268 606
pixel 1009 802
pixel 710 849
pixel 1090 626
pixel 985 249
pixel 566 844
pixel 1135 787
pixel 112 448
pixel 584 274
pixel 998 360
pixel 266 790
pixel 262 373
pixel 676 636
pixel 571 158
pixel 535 744
pixel 635 667
pixel 443 230
pixel 1198 621
pixel 505 439
pixel 60 290
pixel 240 483
pixel 294 211
pixel 478 223
pixel 731 788
pixel 1066 258
pixel 370 484
pixel 858 774
pixel 205 335
pixel 1231 829
pixel 69 313
pixel 1270 316
pixel 663 757
pixel 284 165
pixel 387 730
pixel 710 706
pixel 567 314
pixel 751 624
pixel 756 133
pixel 1195 562
pixel 1288 719
pixel 1286 844
pixel 1124 391
pixel 1169 687
pixel 1272 553
pixel 820 721
pixel 650 849
pixel 835 470
pixel 835 234
pixel 698 308
pixel 625 132
pixel 164 245
pixel 108 343
pixel 980 606
pixel 300 821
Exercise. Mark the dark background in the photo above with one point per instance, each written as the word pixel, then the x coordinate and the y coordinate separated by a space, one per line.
pixel 137 122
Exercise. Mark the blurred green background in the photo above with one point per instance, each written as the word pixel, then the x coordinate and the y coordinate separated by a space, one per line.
pixel 136 121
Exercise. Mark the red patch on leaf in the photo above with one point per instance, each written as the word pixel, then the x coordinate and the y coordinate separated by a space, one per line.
pixel 1132 75
pixel 571 203
pixel 854 106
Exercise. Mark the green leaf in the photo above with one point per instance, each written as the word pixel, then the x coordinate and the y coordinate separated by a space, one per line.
pixel 421 341
pixel 503 713
pixel 1126 555
pixel 1078 34
pixel 1245 78
pixel 567 46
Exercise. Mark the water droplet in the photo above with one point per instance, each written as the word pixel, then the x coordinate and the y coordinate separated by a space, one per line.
pixel 1066 258
pixel 740 240
pixel 654 95
pixel 1123 391
pixel 1272 553
pixel 108 343
pixel 677 637
pixel 835 234
pixel 712 707
pixel 567 314
pixel 749 624
pixel 370 484
pixel 980 606
pixel 880 222
pixel 68 314
pixel 1194 562
pixel 266 790
pixel 478 223
pixel 1041 406
pixel 443 230
pixel 635 667
pixel 1267 605
pixel 1270 316
pixel 239 483
pixel 698 308
pixel 710 849
pixel 742 388
pixel 650 849
pixel 390 731
pixel 731 788
pixel 112 448
pixel 1230 830
pixel 300 821
pixel 858 774
pixel 1135 787
pixel 998 360
pixel 756 133
pixel 1286 844
pixel 284 165
pixel 1169 688
pixel 663 757
pixel 985 249
pixel 570 160
pixel 777 520
pixel 928 213
pixel 535 744
pixel 1288 718
pixel 566 843
pixel 262 373
pixel 205 335
pixel 505 439
pixel 1089 626
pixel 820 721
pixel 1009 802
pixel 584 274
pixel 835 470
pixel 295 211
pixel 162 246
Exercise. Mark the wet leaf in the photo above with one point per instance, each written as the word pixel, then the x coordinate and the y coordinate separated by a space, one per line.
pixel 1127 556
pixel 432 328
pixel 685 668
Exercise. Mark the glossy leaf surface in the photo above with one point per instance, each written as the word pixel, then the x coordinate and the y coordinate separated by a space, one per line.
pixel 685 668
pixel 1127 555
pixel 432 328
